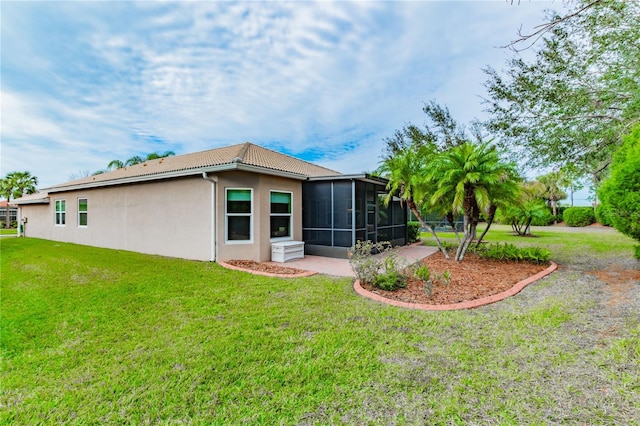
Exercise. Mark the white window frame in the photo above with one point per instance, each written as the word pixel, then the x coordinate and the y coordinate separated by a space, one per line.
pixel 60 214
pixel 227 214
pixel 290 215
pixel 86 212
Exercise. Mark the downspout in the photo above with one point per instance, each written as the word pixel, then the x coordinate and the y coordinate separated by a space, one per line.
pixel 214 181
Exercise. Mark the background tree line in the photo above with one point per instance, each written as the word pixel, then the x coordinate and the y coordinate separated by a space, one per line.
pixel 574 107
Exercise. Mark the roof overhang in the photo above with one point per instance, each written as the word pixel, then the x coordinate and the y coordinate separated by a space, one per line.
pixel 177 174
pixel 363 177
pixel 32 200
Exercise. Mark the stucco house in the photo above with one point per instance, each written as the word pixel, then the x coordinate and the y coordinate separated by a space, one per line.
pixel 222 204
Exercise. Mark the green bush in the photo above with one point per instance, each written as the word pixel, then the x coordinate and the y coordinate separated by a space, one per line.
pixel 364 265
pixel 389 281
pixel 620 193
pixel 422 273
pixel 602 215
pixel 381 270
pixel 510 252
pixel 544 219
pixel 579 216
pixel 636 250
pixel 413 231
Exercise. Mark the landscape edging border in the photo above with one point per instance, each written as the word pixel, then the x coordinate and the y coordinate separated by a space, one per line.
pixel 266 274
pixel 469 304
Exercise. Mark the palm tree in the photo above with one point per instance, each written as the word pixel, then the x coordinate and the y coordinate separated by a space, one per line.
pixel 472 172
pixel 115 164
pixel 15 185
pixel 406 171
pixel 136 159
pixel 501 196
pixel 155 155
pixel 553 184
pixel 6 189
pixel 25 184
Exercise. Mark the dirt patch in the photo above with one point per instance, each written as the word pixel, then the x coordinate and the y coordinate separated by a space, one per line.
pixel 619 282
pixel 265 267
pixel 471 279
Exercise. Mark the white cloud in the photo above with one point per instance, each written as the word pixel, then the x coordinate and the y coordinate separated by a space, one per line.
pixel 111 81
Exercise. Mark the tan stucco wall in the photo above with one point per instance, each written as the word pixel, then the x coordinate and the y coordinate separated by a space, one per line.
pixel 39 220
pixel 169 217
pixel 260 249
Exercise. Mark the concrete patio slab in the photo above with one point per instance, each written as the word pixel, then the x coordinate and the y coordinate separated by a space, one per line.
pixel 341 267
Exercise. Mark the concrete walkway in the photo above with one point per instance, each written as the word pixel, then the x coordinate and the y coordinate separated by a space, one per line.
pixel 341 267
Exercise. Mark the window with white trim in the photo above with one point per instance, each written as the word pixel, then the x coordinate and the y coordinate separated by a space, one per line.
pixel 83 211
pixel 281 214
pixel 239 215
pixel 61 212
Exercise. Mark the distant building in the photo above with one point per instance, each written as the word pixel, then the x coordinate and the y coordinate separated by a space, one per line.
pixel 13 213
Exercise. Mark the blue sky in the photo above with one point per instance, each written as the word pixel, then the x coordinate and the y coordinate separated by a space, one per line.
pixel 83 83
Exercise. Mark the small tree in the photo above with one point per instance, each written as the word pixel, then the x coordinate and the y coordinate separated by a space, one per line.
pixel 406 171
pixel 471 172
pixel 554 184
pixel 522 213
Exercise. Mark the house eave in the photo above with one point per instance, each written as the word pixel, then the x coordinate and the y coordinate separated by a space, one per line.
pixel 45 200
pixel 364 177
pixel 176 174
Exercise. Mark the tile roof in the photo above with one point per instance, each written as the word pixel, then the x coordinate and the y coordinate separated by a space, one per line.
pixel 244 154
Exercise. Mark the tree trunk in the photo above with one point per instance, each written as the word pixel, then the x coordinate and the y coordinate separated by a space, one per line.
pixel 554 209
pixel 466 240
pixel 414 210
pixel 7 222
pixel 491 215
pixel 452 223
pixel 527 230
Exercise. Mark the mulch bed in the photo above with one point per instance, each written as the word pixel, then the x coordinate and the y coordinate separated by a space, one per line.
pixel 471 279
pixel 265 267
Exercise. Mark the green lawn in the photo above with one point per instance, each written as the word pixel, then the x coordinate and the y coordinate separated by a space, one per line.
pixel 566 244
pixel 96 336
pixel 4 231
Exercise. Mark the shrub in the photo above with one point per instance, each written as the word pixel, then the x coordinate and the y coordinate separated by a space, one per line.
pixel 510 252
pixel 545 218
pixel 389 281
pixel 381 270
pixel 636 251
pixel 620 193
pixel 579 216
pixel 413 231
pixel 446 277
pixel 602 215
pixel 422 273
pixel 364 265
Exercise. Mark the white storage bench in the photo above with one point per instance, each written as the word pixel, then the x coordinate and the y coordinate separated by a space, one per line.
pixel 287 250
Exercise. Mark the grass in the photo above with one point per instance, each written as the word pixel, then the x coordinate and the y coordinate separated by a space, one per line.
pixel 92 335
pixel 565 245
pixel 4 231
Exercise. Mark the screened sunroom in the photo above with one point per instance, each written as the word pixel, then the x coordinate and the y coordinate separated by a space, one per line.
pixel 337 211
